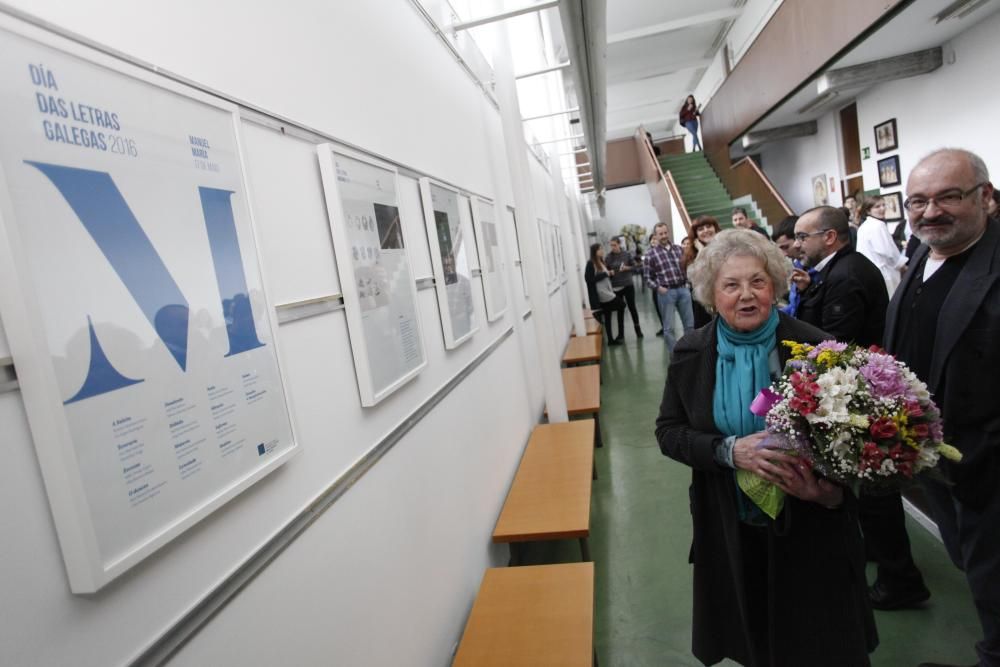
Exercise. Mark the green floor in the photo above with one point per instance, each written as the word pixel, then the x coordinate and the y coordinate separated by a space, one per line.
pixel 641 533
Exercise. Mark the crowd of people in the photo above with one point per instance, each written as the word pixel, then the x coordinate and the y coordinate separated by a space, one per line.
pixel 792 590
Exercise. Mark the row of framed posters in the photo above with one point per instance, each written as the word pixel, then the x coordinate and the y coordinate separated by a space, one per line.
pixel 132 296
pixel 376 279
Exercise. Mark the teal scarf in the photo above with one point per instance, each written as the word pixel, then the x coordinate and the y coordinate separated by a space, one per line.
pixel 742 370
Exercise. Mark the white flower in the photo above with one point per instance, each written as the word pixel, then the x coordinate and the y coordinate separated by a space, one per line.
pixel 836 388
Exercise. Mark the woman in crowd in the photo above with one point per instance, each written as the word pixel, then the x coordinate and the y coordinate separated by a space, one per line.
pixel 767 593
pixel 689 120
pixel 876 243
pixel 703 230
pixel 604 302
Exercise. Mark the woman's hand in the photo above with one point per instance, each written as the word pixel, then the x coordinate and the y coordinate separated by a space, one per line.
pixel 804 485
pixel 771 465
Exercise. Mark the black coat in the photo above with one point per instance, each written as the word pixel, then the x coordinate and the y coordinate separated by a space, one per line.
pixel 965 362
pixel 818 608
pixel 847 299
pixel 591 276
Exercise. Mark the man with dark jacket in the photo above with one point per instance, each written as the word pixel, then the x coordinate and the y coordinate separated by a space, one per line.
pixel 943 322
pixel 847 298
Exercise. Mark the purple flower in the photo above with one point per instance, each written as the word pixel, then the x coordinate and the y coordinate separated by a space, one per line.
pixel 884 377
pixel 831 345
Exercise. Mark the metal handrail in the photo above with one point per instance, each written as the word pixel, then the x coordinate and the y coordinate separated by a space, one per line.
pixel 668 180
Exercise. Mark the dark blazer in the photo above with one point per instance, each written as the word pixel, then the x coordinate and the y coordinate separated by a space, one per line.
pixel 965 363
pixel 818 610
pixel 847 299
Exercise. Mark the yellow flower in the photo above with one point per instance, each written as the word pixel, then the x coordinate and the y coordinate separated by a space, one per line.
pixel 799 351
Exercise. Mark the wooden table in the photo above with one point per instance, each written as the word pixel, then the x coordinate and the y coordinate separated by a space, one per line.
pixel 537 615
pixel 583 349
pixel 582 387
pixel 549 498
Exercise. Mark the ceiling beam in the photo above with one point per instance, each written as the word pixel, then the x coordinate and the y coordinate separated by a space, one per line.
pixel 677 24
pixel 544 70
pixel 550 114
pixel 502 16
pixel 657 70
pixel 758 137
pixel 880 71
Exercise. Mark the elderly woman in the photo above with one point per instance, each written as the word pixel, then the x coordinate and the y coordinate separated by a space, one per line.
pixel 767 593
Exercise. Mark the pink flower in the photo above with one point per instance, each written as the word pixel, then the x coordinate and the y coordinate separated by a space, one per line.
pixel 884 377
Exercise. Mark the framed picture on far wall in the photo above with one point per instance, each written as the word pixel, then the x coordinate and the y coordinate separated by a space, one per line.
pixel 886 138
pixel 888 172
pixel 893 206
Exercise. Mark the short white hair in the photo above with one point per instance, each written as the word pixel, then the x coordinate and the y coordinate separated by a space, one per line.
pixel 736 243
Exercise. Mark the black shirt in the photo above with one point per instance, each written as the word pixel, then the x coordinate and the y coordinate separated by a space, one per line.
pixel 918 314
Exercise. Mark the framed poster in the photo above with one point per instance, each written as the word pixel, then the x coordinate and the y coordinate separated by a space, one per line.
pixel 380 294
pixel 543 240
pixel 886 138
pixel 893 206
pixel 490 258
pixel 450 260
pixel 519 261
pixel 560 257
pixel 132 295
pixel 821 196
pixel 888 171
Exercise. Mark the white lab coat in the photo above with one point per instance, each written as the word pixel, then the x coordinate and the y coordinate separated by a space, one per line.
pixel 875 242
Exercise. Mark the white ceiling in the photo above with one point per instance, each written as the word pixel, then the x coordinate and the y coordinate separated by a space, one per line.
pixel 649 75
pixel 913 29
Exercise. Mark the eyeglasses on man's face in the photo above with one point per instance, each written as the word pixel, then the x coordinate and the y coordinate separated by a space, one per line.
pixel 802 236
pixel 947 199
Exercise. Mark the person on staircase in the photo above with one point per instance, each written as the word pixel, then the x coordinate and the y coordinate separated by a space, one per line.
pixel 689 120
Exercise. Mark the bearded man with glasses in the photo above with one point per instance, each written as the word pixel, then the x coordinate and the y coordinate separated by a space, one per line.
pixel 944 322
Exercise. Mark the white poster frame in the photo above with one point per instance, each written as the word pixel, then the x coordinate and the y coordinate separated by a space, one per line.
pixel 493 313
pixel 54 443
pixel 451 341
pixel 370 395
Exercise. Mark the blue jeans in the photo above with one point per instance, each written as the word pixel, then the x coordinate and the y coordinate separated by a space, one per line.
pixel 679 299
pixel 692 127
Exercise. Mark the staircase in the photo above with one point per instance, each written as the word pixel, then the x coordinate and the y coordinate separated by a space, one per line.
pixel 701 190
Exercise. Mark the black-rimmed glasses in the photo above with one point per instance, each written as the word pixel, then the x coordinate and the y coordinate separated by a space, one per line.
pixel 947 199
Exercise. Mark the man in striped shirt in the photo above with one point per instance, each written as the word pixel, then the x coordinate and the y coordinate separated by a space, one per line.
pixel 665 275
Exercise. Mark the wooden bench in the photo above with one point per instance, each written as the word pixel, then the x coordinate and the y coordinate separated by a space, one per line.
pixel 582 385
pixel 592 327
pixel 537 615
pixel 583 349
pixel 549 498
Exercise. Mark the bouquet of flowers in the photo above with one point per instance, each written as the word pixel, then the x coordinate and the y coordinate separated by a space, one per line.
pixel 857 416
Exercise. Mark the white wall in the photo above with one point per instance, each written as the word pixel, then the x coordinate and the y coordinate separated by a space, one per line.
pixel 792 164
pixel 388 574
pixel 952 106
pixel 631 205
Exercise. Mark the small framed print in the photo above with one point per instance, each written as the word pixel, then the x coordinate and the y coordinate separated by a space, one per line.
pixel 893 206
pixel 886 138
pixel 888 171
